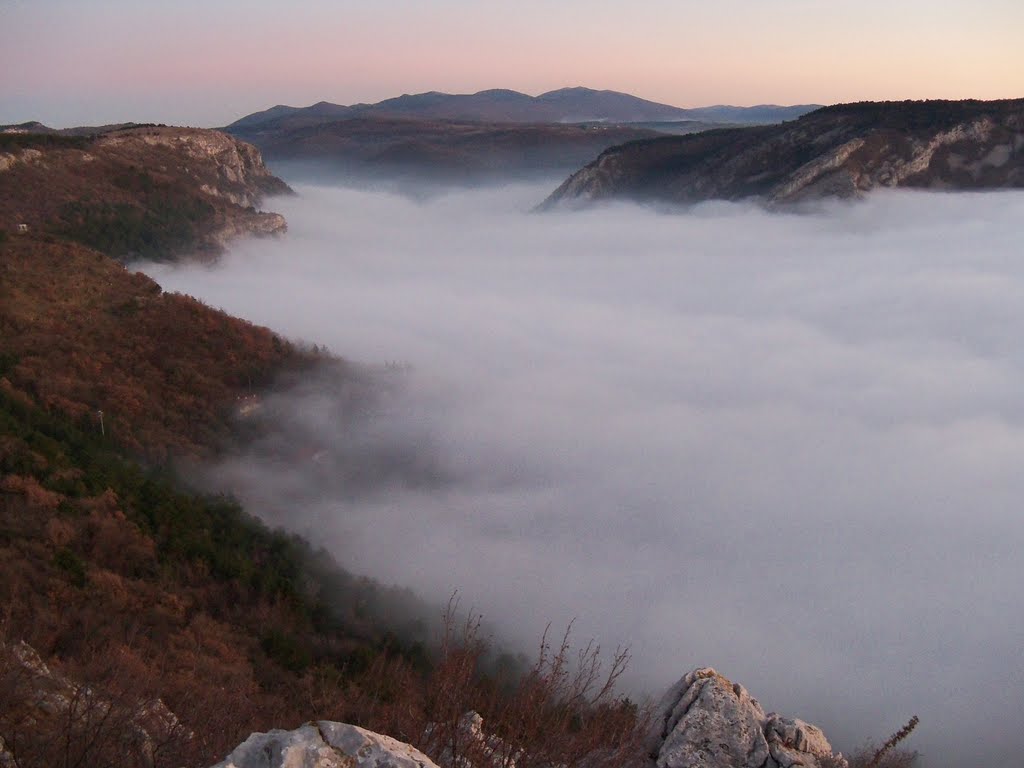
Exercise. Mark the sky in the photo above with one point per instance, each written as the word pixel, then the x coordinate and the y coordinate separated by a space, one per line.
pixel 790 447
pixel 209 62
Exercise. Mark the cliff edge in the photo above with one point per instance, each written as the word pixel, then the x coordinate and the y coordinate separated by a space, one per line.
pixel 151 192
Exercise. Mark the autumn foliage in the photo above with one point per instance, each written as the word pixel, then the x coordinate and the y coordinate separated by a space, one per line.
pixel 82 334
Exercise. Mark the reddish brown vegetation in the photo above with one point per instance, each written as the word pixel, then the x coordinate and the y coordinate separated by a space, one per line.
pixel 80 333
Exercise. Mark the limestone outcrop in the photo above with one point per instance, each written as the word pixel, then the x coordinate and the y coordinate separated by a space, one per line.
pixel 144 192
pixel 706 721
pixel 223 166
pixel 324 744
pixel 88 719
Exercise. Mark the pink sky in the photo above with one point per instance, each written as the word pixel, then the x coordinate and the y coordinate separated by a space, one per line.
pixel 207 63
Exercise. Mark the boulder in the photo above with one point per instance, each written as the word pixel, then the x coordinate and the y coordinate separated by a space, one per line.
pixel 706 721
pixel 324 744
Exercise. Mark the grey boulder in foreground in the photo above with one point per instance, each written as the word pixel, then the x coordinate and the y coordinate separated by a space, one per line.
pixel 324 745
pixel 706 721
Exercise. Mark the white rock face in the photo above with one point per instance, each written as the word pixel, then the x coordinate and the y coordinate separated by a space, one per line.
pixel 9 159
pixel 324 744
pixel 240 169
pixel 705 721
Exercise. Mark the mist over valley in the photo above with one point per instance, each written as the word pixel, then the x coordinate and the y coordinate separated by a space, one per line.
pixel 789 445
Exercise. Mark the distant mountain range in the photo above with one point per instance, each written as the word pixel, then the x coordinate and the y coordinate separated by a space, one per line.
pixel 472 138
pixel 566 105
pixel 37 128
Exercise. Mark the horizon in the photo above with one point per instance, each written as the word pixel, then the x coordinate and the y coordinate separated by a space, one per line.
pixel 531 95
pixel 229 59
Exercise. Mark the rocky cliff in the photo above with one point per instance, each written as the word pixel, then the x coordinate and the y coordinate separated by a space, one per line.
pixel 841 151
pixel 142 192
pixel 223 166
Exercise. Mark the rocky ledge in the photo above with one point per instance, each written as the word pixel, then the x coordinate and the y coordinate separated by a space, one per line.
pixel 841 151
pixel 221 165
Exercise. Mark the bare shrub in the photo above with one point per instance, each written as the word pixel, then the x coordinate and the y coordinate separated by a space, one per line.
pixel 562 712
pixel 888 755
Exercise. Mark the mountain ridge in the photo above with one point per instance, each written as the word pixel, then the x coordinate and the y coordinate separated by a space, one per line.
pixel 571 104
pixel 844 150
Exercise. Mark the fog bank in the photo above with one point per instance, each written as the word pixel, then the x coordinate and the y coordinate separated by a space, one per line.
pixel 787 446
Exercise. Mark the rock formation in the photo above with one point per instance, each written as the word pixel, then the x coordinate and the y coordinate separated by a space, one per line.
pixel 324 744
pixel 841 151
pixel 222 165
pixel 88 720
pixel 705 721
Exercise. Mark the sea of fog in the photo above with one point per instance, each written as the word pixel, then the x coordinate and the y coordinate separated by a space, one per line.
pixel 789 446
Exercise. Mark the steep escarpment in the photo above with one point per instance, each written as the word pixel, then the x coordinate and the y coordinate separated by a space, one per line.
pixel 841 151
pixel 144 192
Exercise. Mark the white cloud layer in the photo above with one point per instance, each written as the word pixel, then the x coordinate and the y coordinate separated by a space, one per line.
pixel 788 446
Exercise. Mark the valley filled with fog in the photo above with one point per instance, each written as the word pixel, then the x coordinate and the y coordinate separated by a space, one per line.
pixel 789 446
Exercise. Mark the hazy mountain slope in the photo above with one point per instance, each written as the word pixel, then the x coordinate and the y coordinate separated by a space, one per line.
pixel 583 104
pixel 446 151
pixel 840 151
pixel 760 114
